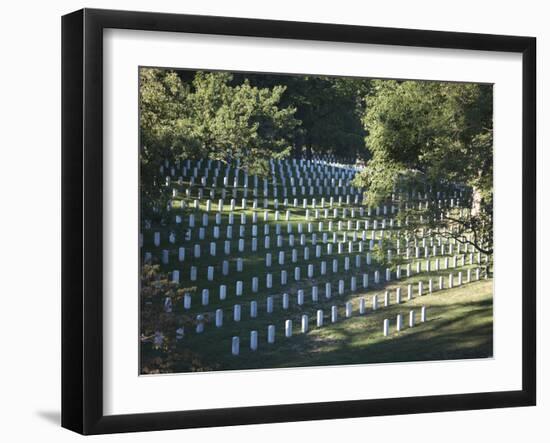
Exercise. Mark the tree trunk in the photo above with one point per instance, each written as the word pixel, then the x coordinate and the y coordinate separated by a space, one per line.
pixel 476 201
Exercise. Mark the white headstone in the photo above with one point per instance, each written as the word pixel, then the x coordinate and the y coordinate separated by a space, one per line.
pixel 200 324
pixel 314 294
pixel 253 309
pixel 288 328
pixel 239 288
pixel 411 319
pixel 235 346
pixel 237 313
pixel 349 309
pixel 399 322
pixel 305 323
pixel 328 290
pixel 300 297
pixel 181 254
pixel 219 318
pixel 334 314
pixel 340 287
pixel 271 334
pixel 167 304
pixel 205 296
pixel 223 292
pixel 253 340
pixel 362 305
pixel 285 301
pixel 176 277
pixel 186 301
pixel 255 284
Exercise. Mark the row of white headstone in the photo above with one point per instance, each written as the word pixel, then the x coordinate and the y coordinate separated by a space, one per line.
pixel 346 232
pixel 269 278
pixel 319 168
pixel 342 248
pixel 331 177
pixel 330 249
pixel 201 189
pixel 189 201
pixel 237 314
pixel 282 240
pixel 324 187
pixel 288 326
pixel 399 321
pixel 356 229
pixel 282 167
pixel 327 210
pixel 299 171
pixel 283 170
pixel 290 229
pixel 193 195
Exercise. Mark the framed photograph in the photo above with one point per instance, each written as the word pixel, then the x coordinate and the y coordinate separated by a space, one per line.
pixel 269 221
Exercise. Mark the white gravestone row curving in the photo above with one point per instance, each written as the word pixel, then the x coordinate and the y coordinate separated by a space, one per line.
pixel 308 189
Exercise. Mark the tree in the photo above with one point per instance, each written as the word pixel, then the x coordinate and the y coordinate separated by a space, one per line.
pixel 165 131
pixel 208 118
pixel 329 110
pixel 159 326
pixel 433 136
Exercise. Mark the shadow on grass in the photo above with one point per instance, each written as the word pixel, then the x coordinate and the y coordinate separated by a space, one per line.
pixel 454 330
pixel 440 338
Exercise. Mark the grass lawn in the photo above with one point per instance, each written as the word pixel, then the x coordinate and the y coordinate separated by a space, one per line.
pixel 459 320
pixel 459 325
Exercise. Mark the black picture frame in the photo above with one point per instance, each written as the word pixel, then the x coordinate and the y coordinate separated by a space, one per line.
pixel 82 215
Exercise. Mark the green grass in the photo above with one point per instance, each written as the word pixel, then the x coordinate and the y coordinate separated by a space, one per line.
pixel 459 326
pixel 459 320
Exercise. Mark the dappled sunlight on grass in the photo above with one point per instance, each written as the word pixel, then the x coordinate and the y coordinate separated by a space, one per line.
pixel 459 325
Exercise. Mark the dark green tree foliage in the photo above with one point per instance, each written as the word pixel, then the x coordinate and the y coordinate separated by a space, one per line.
pixel 163 353
pixel 329 110
pixel 427 135
pixel 209 118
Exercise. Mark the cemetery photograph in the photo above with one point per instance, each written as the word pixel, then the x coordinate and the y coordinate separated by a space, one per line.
pixel 292 221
